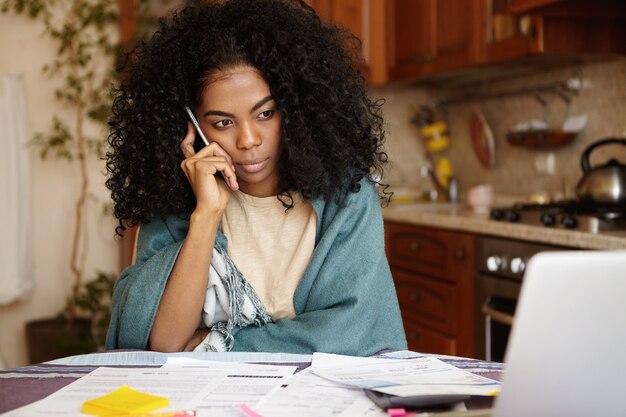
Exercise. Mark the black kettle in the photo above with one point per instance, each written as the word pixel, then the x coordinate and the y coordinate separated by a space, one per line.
pixel 605 183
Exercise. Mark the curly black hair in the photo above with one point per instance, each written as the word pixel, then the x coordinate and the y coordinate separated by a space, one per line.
pixel 332 132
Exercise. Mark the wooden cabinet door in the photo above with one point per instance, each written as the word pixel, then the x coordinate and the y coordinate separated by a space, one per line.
pixel 427 301
pixel 421 339
pixel 397 35
pixel 348 14
pixel 433 271
pixel 403 39
pixel 353 15
pixel 432 36
pixel 427 251
pixel 460 33
pixel 563 27
pixel 411 29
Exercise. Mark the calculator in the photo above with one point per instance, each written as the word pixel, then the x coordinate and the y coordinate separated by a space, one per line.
pixel 386 401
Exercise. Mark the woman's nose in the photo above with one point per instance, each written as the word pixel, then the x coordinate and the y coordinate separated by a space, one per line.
pixel 248 137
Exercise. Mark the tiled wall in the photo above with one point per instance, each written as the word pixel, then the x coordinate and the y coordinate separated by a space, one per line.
pixel 602 99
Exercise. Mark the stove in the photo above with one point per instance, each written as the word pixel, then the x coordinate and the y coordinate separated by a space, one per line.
pixel 500 265
pixel 566 214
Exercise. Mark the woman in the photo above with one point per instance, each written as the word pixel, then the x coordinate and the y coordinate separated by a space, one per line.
pixel 270 238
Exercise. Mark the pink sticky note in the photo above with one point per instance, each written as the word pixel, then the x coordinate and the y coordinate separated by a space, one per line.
pixel 399 412
pixel 248 411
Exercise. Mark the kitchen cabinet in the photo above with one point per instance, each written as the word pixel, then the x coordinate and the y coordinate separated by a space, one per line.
pixel 407 39
pixel 404 39
pixel 433 271
pixel 561 29
pixel 416 39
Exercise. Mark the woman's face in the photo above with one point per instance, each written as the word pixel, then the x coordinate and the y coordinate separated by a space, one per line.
pixel 238 113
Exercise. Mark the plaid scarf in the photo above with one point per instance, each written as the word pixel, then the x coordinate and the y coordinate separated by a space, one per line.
pixel 230 302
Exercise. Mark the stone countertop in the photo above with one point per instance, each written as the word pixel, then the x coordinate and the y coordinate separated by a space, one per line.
pixel 461 218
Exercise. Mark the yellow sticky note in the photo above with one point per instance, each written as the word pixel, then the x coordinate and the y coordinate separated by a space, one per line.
pixel 123 401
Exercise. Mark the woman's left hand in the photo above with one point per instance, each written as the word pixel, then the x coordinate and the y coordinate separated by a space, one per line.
pixel 196 339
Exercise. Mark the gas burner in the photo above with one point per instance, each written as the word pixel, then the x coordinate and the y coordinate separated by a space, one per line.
pixel 568 214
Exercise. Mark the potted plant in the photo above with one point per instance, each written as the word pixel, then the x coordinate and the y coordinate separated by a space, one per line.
pixel 83 31
pixel 80 327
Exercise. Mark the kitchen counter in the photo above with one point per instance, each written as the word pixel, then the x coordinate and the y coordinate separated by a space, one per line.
pixel 461 218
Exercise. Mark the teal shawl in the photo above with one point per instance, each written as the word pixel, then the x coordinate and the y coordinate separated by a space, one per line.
pixel 345 303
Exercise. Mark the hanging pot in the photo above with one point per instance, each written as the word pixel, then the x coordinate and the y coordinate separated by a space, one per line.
pixel 605 183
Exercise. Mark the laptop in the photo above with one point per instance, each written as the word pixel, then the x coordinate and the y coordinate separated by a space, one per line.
pixel 566 355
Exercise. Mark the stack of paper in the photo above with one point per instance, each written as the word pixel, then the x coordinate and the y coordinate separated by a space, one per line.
pixel 331 387
pixel 418 376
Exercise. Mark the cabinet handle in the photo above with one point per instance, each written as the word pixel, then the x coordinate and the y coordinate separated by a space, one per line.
pixel 413 336
pixel 460 254
pixel 415 297
pixel 415 246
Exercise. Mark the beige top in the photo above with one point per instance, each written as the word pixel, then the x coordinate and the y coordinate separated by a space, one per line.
pixel 271 247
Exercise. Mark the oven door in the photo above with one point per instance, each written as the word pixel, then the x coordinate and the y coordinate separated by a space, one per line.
pixel 496 299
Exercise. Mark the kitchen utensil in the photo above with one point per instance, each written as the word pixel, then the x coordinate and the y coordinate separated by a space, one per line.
pixel 443 170
pixel 441 176
pixel 482 139
pixel 436 136
pixel 605 183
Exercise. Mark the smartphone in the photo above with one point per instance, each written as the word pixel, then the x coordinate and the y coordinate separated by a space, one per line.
pixel 193 119
pixel 386 401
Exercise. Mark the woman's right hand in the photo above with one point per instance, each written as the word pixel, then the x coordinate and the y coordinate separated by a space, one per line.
pixel 180 307
pixel 201 168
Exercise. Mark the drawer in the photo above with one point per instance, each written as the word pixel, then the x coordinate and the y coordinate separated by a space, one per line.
pixel 420 339
pixel 426 301
pixel 436 252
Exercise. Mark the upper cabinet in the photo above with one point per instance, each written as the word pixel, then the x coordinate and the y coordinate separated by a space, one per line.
pixel 426 37
pixel 404 39
pixel 560 28
pixel 409 39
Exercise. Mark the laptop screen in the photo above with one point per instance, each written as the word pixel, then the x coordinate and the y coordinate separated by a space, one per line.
pixel 566 355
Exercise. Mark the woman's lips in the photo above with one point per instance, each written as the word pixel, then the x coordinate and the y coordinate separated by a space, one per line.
pixel 253 166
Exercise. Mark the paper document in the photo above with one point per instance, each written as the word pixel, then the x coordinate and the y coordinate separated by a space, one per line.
pixel 425 375
pixel 214 389
pixel 247 383
pixel 306 394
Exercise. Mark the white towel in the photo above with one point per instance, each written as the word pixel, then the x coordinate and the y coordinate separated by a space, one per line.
pixel 16 258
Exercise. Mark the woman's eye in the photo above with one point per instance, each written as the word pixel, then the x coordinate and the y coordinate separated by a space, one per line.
pixel 266 114
pixel 223 123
